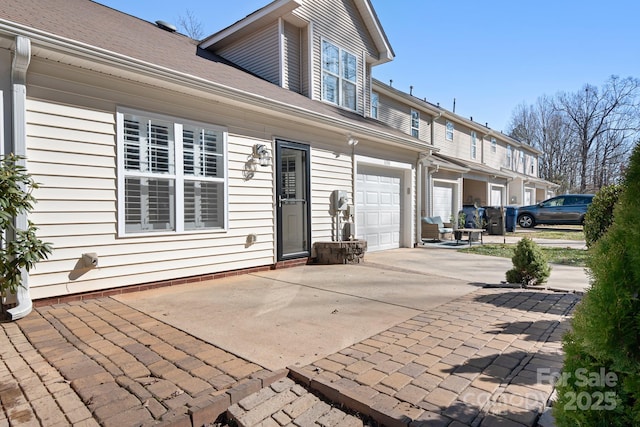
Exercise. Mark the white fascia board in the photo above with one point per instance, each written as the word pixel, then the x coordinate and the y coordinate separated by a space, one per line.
pixel 375 29
pixel 272 11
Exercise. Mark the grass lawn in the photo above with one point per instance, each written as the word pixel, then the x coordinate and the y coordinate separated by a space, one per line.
pixel 561 234
pixel 566 256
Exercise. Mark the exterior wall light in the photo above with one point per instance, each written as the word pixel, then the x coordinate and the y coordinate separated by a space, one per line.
pixel 262 155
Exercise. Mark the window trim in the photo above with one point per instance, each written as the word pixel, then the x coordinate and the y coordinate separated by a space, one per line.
pixel 178 176
pixel 532 164
pixel 447 131
pixel 340 77
pixel 509 157
pixel 415 123
pixel 494 145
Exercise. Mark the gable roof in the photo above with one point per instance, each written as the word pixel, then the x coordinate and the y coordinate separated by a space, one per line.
pixel 95 37
pixel 278 8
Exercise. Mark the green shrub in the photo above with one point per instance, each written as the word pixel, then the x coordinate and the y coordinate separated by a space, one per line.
pixel 605 333
pixel 20 249
pixel 600 213
pixel 530 265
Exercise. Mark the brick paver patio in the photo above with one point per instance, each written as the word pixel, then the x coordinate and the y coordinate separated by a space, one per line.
pixel 471 362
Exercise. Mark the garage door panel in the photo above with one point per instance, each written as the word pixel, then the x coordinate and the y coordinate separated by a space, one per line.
pixel 443 200
pixel 386 218
pixel 387 199
pixel 378 206
pixel 373 198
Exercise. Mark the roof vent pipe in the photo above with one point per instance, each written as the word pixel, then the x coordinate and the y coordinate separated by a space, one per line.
pixel 166 26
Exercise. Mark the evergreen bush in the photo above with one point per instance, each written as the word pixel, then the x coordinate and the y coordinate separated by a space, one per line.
pixel 600 213
pixel 605 335
pixel 19 249
pixel 530 265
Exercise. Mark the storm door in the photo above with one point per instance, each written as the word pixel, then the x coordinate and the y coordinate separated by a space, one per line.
pixel 293 200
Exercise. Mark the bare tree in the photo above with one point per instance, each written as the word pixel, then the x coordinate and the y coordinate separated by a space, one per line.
pixel 586 136
pixel 544 128
pixel 191 25
pixel 592 113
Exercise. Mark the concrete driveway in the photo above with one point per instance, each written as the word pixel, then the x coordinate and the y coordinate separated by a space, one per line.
pixel 295 316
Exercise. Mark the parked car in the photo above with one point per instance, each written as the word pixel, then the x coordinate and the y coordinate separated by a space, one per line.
pixel 559 210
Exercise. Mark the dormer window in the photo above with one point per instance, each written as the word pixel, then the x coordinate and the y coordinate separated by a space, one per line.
pixel 339 76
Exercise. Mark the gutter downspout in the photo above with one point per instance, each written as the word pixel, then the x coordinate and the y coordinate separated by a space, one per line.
pixel 418 227
pixel 21 60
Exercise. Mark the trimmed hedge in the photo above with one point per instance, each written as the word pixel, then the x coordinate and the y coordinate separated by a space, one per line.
pixel 606 326
pixel 530 266
pixel 599 216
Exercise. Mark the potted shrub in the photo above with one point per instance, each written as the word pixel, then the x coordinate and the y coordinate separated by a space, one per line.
pixel 20 249
pixel 460 223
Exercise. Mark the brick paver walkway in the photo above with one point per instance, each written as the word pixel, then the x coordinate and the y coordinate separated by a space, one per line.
pixel 100 362
pixel 473 361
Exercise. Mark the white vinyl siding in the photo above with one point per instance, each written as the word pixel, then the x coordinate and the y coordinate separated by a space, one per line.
pixel 292 75
pixel 260 53
pixel 329 172
pixel 400 116
pixel 72 153
pixel 171 174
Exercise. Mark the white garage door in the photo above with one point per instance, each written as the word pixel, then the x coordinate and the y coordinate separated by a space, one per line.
pixel 442 200
pixel 378 208
pixel 496 196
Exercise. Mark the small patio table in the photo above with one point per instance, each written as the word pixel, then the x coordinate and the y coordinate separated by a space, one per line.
pixel 470 232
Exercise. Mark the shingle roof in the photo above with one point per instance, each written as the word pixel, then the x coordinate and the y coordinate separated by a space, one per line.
pixel 105 28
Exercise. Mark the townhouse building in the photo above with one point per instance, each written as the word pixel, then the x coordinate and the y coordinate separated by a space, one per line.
pixel 172 160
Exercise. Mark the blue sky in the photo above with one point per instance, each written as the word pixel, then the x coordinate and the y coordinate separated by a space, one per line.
pixel 490 56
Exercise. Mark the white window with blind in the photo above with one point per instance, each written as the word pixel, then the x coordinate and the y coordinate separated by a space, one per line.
pixel 449 131
pixel 374 105
pixel 339 76
pixel 172 175
pixel 415 123
pixel 474 145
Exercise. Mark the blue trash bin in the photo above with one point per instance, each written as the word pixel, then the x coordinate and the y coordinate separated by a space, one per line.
pixel 511 218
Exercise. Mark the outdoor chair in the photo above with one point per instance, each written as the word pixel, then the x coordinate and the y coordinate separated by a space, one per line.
pixel 433 228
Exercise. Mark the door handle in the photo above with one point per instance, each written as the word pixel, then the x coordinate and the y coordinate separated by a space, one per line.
pixel 286 200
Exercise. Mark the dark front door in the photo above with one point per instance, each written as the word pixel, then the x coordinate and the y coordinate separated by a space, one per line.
pixel 293 200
